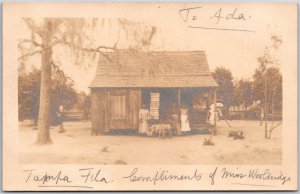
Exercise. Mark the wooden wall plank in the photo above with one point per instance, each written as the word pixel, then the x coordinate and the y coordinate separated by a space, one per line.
pixel 98 112
pixel 94 112
pixel 101 116
pixel 136 105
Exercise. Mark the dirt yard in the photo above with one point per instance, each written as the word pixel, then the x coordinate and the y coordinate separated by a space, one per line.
pixel 77 146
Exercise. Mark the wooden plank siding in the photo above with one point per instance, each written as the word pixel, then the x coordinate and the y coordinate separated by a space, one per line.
pixel 115 109
pixel 135 102
pixel 118 109
pixel 98 112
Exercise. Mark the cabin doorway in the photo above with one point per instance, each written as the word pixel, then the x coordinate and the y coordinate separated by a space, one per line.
pixel 161 102
pixel 118 109
pixel 168 103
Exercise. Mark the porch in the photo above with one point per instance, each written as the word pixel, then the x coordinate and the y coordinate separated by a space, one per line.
pixel 196 100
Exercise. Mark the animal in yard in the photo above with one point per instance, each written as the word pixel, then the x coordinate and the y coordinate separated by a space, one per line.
pixel 152 129
pixel 165 129
pixel 96 132
pixel 208 142
pixel 231 133
pixel 161 129
pixel 236 135
pixel 239 135
pixel 104 149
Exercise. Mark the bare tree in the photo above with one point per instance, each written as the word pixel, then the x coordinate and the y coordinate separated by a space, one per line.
pixel 265 60
pixel 70 32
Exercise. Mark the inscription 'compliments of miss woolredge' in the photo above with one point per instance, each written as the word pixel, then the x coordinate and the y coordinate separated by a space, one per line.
pixel 161 176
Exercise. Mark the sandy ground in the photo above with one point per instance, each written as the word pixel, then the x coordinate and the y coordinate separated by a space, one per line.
pixel 77 146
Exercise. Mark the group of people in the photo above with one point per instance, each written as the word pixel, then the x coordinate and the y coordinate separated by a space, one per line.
pixel 178 121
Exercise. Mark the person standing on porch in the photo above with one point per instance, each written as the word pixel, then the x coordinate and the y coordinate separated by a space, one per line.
pixel 185 124
pixel 175 120
pixel 143 118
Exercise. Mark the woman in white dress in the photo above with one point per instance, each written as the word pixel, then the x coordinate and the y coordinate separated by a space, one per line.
pixel 143 117
pixel 185 124
pixel 212 116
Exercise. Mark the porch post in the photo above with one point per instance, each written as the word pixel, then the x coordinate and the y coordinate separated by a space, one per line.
pixel 178 98
pixel 208 106
pixel 215 99
pixel 94 112
pixel 107 108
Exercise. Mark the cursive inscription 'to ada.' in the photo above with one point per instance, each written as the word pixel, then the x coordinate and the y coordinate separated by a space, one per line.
pixel 196 17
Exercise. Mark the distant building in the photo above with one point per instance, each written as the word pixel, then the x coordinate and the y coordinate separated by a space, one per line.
pixel 163 81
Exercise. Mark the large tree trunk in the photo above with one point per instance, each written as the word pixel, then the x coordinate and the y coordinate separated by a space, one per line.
pixel 44 109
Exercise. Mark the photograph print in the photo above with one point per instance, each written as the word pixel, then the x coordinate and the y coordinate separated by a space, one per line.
pixel 204 91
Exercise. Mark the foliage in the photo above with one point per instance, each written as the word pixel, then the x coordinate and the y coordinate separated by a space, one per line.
pixel 274 90
pixel 62 93
pixel 246 91
pixel 272 80
pixel 274 87
pixel 28 95
pixel 258 83
pixel 243 93
pixel 84 103
pixel 224 79
pixel 76 38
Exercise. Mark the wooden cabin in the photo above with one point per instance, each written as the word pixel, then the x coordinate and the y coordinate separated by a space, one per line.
pixel 162 81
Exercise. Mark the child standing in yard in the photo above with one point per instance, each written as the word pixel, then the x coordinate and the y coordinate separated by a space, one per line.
pixel 143 118
pixel 262 116
pixel 212 117
pixel 60 116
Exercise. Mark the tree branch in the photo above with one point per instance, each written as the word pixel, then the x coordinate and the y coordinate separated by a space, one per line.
pixel 270 131
pixel 32 26
pixel 38 51
pixel 29 54
pixel 97 49
pixel 22 41
pixel 59 71
pixel 92 50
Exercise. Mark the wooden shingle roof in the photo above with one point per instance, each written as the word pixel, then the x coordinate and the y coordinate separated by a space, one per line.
pixel 153 69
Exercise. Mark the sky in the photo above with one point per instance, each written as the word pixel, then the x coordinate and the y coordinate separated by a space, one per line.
pixel 250 29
